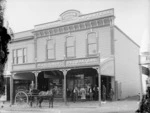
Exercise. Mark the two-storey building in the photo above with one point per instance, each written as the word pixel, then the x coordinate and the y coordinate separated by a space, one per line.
pixel 77 50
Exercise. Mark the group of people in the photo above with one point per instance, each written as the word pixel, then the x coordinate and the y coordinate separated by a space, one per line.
pixel 83 93
pixel 89 93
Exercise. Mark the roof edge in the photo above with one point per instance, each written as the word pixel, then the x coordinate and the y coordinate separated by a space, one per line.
pixel 127 36
pixel 24 31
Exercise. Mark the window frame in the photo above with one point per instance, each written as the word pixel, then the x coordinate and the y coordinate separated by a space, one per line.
pixel 70 46
pixel 53 49
pixel 88 43
pixel 16 56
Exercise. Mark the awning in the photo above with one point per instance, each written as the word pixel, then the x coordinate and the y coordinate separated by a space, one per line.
pixel 107 66
pixel 24 76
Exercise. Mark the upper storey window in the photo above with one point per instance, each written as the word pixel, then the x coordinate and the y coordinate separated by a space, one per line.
pixel 70 46
pixel 51 49
pixel 19 56
pixel 92 43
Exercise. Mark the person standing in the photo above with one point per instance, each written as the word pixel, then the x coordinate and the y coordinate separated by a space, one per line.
pixel 83 94
pixel 95 92
pixel 31 88
pixel 111 94
pixel 75 94
pixel 104 93
pixel 91 93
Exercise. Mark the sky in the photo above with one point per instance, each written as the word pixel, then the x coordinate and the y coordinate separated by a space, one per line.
pixel 131 16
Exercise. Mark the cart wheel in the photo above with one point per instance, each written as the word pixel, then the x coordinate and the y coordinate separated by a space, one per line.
pixel 21 98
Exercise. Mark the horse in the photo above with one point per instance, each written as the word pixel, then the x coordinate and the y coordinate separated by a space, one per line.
pixel 46 95
pixel 32 94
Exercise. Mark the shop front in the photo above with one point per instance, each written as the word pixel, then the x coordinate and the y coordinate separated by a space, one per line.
pixel 65 75
pixel 87 78
pixel 48 80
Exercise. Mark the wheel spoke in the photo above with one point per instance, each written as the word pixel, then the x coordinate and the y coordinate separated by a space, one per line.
pixel 21 98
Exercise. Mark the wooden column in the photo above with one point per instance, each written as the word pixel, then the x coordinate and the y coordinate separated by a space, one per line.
pixel 113 86
pixel 12 89
pixel 36 78
pixel 64 88
pixel 99 79
pixel 99 84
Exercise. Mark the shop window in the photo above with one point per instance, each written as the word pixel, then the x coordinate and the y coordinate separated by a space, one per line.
pixel 92 43
pixel 70 46
pixel 50 49
pixel 14 57
pixel 19 56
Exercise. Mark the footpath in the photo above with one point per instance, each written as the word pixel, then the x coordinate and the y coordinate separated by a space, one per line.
pixel 109 107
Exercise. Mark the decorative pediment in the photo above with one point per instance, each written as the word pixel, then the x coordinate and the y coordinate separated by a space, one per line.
pixel 70 17
pixel 70 14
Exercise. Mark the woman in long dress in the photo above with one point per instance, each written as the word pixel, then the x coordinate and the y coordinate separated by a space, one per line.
pixel 83 94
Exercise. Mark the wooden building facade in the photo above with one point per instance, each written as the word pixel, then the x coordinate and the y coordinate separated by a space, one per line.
pixel 75 51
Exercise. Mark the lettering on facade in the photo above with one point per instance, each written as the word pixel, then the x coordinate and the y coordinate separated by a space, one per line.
pixel 70 63
pixel 50 65
pixel 82 62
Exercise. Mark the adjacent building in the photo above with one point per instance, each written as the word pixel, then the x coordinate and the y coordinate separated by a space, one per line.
pixel 77 50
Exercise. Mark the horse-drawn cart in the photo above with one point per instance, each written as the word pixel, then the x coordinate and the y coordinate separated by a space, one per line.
pixel 29 97
pixel 21 97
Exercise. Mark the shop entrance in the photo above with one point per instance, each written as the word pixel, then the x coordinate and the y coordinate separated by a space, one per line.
pixel 82 79
pixel 106 87
pixel 51 79
pixel 87 78
pixel 21 81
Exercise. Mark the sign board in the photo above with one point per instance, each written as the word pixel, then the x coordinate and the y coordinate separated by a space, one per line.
pixel 82 62
pixel 57 64
pixel 145 59
pixel 68 63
